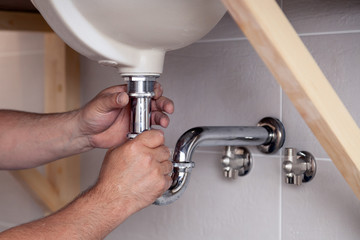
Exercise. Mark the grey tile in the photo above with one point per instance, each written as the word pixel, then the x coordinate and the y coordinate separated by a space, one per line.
pixel 324 208
pixel 17 205
pixel 16 42
pixel 226 28
pixel 224 84
pixel 214 208
pixel 90 167
pixel 22 82
pixel 308 16
pixel 95 77
pixel 338 56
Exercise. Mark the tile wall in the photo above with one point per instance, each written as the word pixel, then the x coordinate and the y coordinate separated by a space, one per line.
pixel 220 80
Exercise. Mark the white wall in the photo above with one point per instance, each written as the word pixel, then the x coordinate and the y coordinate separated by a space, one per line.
pixel 221 81
pixel 21 88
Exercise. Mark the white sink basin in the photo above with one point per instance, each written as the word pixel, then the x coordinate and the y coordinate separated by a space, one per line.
pixel 132 35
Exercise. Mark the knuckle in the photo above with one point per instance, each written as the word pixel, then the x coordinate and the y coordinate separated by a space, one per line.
pixel 163 184
pixel 167 153
pixel 158 172
pixel 147 160
pixel 134 146
pixel 170 167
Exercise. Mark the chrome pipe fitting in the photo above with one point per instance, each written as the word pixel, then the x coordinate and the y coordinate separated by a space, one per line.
pixel 270 137
pixel 140 91
pixel 236 162
pixel 299 167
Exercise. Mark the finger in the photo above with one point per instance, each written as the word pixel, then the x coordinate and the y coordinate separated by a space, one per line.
pixel 151 138
pixel 112 101
pixel 166 167
pixel 169 182
pixel 161 154
pixel 163 104
pixel 160 118
pixel 158 90
pixel 114 89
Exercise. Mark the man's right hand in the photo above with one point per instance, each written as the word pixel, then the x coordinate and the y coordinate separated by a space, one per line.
pixel 136 173
pixel 132 177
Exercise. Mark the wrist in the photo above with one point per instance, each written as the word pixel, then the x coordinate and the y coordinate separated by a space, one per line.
pixel 77 135
pixel 109 208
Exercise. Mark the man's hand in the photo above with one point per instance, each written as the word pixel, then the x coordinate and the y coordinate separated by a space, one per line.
pixel 136 173
pixel 106 119
pixel 132 177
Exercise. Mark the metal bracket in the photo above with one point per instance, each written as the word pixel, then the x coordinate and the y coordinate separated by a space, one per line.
pixel 184 166
pixel 236 161
pixel 298 167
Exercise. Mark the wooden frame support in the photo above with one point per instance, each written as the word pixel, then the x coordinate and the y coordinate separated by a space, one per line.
pixel 62 93
pixel 19 21
pixel 283 52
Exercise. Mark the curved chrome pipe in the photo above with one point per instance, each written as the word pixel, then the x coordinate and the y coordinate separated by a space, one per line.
pixel 263 136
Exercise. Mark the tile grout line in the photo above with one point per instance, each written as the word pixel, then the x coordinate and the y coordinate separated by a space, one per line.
pixel 299 34
pixel 280 166
pixel 281 152
pixel 329 33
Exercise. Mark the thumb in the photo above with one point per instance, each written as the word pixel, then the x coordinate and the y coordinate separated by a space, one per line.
pixel 114 101
pixel 122 99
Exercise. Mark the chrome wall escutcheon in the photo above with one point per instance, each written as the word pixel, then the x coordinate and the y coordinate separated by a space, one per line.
pixel 298 167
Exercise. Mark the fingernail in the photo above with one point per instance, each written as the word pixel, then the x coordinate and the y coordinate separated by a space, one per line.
pixel 122 98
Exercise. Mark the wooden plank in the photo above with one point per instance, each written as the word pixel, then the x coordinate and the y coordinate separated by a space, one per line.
pixel 17 21
pixel 283 52
pixel 62 93
pixel 40 186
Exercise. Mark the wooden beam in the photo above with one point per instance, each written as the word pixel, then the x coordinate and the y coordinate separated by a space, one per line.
pixel 283 52
pixel 18 21
pixel 62 93
pixel 40 186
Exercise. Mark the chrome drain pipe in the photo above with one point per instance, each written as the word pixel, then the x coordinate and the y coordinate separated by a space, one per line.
pixel 140 90
pixel 268 135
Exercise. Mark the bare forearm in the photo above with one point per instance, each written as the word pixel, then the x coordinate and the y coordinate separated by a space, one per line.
pixel 29 139
pixel 88 217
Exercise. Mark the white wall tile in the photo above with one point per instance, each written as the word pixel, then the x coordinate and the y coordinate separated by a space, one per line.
pixel 225 83
pixel 213 207
pixel 324 208
pixel 17 205
pixel 220 84
pixel 308 16
pixel 95 77
pixel 90 167
pixel 2 228
pixel 338 57
pixel 226 28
